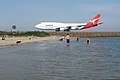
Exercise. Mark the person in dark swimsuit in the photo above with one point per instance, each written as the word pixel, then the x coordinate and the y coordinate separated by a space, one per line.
pixel 87 40
pixel 68 39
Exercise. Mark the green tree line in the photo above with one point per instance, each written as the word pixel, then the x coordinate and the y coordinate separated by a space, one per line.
pixel 28 33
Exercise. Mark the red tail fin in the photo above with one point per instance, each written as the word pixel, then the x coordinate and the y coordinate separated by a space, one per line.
pixel 92 22
pixel 95 19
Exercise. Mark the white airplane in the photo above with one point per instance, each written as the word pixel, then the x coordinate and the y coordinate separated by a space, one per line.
pixel 69 26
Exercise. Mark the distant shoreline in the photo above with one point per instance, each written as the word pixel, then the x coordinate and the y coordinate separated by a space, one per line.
pixel 87 34
pixel 61 33
pixel 10 41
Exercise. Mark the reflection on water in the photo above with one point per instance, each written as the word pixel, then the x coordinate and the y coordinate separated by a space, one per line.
pixel 100 60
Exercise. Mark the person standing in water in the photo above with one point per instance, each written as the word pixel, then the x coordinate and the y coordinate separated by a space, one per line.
pixel 88 40
pixel 68 39
pixel 77 39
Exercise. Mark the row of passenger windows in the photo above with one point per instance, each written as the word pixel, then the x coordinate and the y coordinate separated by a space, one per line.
pixel 48 25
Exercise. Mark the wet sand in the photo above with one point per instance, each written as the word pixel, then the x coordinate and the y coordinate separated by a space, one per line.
pixel 12 40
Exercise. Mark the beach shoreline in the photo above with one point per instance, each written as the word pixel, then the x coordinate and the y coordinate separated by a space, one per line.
pixel 10 41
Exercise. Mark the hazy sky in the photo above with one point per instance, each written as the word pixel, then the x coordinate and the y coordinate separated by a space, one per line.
pixel 25 14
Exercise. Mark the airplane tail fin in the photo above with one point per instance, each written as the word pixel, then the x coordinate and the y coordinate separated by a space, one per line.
pixel 93 22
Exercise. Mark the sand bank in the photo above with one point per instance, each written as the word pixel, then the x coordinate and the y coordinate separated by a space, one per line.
pixel 12 40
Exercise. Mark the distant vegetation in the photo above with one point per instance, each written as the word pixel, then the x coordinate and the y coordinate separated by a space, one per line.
pixel 88 34
pixel 72 34
pixel 28 33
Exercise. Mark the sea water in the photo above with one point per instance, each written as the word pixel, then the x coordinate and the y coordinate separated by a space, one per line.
pixel 54 60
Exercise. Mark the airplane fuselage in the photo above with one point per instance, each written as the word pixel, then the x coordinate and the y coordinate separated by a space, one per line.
pixel 56 25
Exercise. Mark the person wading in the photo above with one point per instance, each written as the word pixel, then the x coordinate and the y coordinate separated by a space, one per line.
pixel 88 40
pixel 68 39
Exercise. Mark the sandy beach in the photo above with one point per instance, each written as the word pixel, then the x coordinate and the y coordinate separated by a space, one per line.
pixel 12 40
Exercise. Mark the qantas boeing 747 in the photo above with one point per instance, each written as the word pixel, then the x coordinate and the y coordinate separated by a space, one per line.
pixel 69 26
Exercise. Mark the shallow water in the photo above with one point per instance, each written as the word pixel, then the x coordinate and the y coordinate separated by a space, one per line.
pixel 53 60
